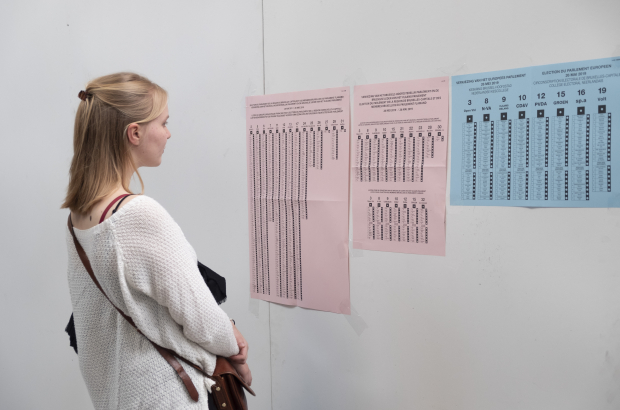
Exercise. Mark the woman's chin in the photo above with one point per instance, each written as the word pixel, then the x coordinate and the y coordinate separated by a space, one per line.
pixel 154 163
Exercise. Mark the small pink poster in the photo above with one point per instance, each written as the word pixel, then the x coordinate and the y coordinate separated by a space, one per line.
pixel 400 145
pixel 298 185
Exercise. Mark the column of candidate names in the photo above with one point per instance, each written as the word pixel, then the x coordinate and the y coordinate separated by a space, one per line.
pixel 281 156
pixel 396 154
pixel 559 157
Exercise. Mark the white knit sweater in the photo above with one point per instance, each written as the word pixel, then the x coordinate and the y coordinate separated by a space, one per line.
pixel 149 271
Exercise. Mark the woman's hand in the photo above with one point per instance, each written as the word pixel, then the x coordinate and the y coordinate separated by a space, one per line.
pixel 244 372
pixel 242 356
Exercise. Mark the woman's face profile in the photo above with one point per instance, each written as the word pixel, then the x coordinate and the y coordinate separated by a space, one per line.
pixel 152 141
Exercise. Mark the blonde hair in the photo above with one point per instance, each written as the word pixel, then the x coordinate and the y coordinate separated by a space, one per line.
pixel 101 150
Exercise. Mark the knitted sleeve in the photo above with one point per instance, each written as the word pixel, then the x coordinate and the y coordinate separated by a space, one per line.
pixel 162 277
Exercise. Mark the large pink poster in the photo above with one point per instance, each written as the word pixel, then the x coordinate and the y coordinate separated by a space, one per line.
pixel 298 184
pixel 400 145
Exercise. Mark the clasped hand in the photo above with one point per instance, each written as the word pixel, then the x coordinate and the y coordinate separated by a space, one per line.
pixel 239 361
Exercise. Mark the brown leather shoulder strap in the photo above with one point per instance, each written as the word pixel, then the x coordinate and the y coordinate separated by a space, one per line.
pixel 167 354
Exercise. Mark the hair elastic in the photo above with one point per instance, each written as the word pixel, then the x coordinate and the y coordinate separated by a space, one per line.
pixel 83 95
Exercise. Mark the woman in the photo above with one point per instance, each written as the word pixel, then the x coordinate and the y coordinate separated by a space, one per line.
pixel 141 259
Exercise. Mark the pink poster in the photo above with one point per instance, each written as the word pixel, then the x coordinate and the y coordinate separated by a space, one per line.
pixel 400 145
pixel 298 184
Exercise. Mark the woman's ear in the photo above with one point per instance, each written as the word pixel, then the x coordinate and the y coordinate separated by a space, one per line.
pixel 133 134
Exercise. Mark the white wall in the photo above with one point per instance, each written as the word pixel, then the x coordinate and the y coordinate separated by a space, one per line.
pixel 208 55
pixel 523 312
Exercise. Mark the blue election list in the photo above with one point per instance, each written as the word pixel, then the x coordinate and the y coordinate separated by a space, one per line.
pixel 545 136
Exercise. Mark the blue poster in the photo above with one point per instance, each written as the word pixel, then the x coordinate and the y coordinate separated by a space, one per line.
pixel 545 136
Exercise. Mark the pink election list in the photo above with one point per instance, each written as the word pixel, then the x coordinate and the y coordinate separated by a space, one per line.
pixel 400 145
pixel 298 181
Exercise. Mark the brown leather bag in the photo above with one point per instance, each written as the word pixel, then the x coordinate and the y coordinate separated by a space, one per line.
pixel 229 385
pixel 228 389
